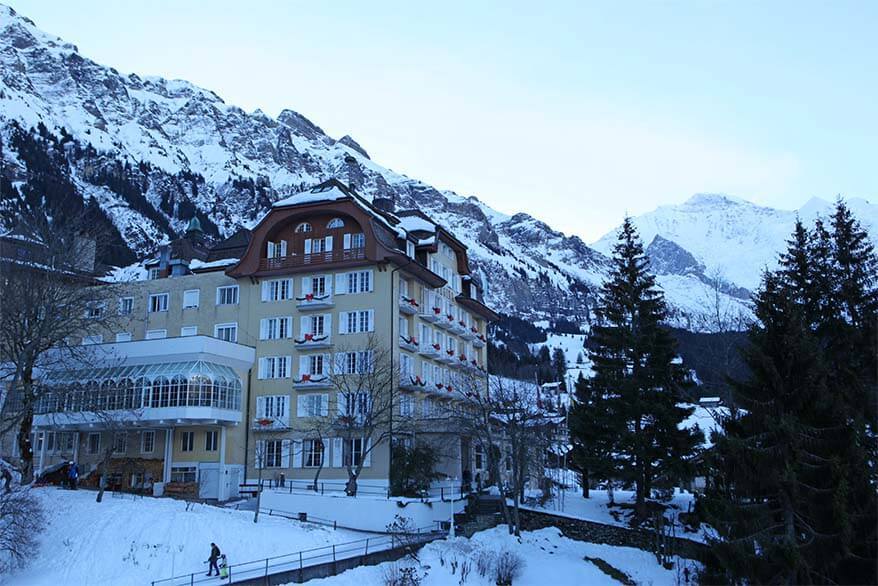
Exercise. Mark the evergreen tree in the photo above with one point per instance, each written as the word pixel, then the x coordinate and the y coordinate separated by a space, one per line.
pixel 559 364
pixel 794 498
pixel 628 414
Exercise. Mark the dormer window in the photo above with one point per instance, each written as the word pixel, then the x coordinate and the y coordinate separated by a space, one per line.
pixel 303 227
pixel 335 223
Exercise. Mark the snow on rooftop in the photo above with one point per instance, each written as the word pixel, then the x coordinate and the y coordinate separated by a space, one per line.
pixel 330 193
pixel 413 223
pixel 195 264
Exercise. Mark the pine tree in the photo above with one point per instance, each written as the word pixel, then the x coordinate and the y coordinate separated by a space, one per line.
pixel 626 421
pixel 559 364
pixel 794 498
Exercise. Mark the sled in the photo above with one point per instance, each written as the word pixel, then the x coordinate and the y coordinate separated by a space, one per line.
pixel 223 567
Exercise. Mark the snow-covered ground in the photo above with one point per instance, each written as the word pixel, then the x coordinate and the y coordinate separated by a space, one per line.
pixel 128 541
pixel 549 558
pixel 570 503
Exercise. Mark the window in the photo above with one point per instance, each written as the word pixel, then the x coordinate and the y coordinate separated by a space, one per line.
pixel 187 441
pixel 276 249
pixel 356 362
pixel 126 305
pixel 191 298
pixel 69 439
pixel 303 227
pixel 275 328
pixel 312 405
pixel 50 440
pixel 158 302
pixel 272 407
pixel 353 322
pixel 155 273
pixel 406 405
pixel 188 331
pixel 355 404
pixel 147 442
pixel 211 441
pixel 89 340
pixel 315 285
pixel 123 337
pixel 273 453
pixel 335 223
pixel 156 334
pixel 312 452
pixel 314 324
pixel 94 443
pixel 359 282
pixel 406 365
pixel 410 248
pixel 353 452
pixel 95 310
pixel 429 407
pixel 227 295
pixel 479 457
pixel 314 364
pixel 184 473
pixel 120 443
pixel 278 290
pixel 227 332
pixel 274 367
pixel 358 240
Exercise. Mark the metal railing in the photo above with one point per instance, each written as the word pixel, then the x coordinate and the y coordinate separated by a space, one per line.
pixel 305 558
pixel 312 258
pixel 338 487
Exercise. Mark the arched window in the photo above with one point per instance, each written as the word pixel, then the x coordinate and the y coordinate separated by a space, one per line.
pixel 335 223
pixel 303 227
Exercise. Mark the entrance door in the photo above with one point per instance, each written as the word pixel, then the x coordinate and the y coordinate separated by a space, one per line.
pixel 208 480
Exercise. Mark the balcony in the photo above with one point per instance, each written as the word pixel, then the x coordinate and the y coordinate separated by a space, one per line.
pixel 412 383
pixel 408 305
pixel 315 258
pixel 270 424
pixel 447 357
pixel 446 322
pixel 429 350
pixel 459 328
pixel 431 314
pixel 312 301
pixel 312 382
pixel 479 341
pixel 313 342
pixel 410 344
pixel 469 334
pixel 461 362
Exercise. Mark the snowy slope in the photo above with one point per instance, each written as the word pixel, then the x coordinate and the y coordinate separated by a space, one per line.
pixel 733 237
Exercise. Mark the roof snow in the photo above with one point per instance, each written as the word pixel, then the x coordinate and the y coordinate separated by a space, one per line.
pixel 415 223
pixel 330 193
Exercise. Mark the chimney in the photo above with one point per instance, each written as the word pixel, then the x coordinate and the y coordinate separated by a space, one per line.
pixel 385 204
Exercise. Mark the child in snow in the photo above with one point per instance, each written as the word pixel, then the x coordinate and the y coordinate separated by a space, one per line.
pixel 73 474
pixel 214 556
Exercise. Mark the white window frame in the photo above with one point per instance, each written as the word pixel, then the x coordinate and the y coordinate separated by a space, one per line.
pixel 155 305
pixel 126 305
pixel 232 326
pixel 310 453
pixel 187 441
pixel 88 444
pixel 211 440
pixel 187 331
pixel 228 291
pixel 123 337
pixel 153 273
pixel 194 298
pixel 147 434
pixel 273 367
pixel 156 334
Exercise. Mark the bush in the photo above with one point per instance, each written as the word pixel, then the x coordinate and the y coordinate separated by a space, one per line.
pixel 414 469
pixel 485 563
pixel 507 567
pixel 397 575
pixel 21 520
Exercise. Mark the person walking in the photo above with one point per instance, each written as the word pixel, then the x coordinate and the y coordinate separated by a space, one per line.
pixel 214 556
pixel 73 475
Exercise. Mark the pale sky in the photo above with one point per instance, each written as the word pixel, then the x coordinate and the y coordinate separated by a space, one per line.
pixel 574 112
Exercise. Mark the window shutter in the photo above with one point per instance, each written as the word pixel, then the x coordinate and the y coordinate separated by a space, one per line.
pixel 270 252
pixel 371 280
pixel 342 321
pixel 301 406
pixel 261 369
pixel 283 247
pixel 265 290
pixel 328 243
pixel 289 294
pixel 329 284
pixel 307 246
pixel 289 329
pixel 260 454
pixel 307 286
pixel 341 403
pixel 324 404
pixel 285 453
pixel 288 370
pixel 304 326
pixel 297 453
pixel 336 452
pixel 304 366
pixel 326 359
pixel 346 241
pixel 263 328
pixel 367 457
pixel 327 324
pixel 371 313
pixel 341 283
pixel 260 407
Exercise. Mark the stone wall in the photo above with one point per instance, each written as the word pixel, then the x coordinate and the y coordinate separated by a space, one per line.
pixel 583 530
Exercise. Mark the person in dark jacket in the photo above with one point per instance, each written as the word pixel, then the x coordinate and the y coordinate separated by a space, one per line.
pixel 214 556
pixel 73 474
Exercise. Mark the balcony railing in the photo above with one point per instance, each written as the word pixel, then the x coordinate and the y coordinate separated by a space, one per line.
pixel 313 258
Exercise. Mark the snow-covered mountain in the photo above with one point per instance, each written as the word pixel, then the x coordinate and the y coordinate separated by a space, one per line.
pixel 720 236
pixel 142 155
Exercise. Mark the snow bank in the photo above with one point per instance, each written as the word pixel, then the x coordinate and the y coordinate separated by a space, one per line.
pixel 549 558
pixel 128 541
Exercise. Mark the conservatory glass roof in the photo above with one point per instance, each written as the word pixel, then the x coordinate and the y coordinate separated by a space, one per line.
pixel 150 371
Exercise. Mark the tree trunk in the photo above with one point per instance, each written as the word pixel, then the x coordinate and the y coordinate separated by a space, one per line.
pixel 585 487
pixel 258 495
pixel 26 428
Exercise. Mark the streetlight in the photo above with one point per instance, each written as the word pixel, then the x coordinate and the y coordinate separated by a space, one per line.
pixel 451 534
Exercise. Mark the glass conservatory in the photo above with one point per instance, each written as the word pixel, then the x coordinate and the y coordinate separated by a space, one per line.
pixel 142 388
